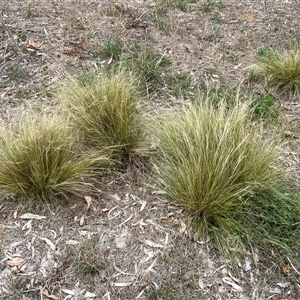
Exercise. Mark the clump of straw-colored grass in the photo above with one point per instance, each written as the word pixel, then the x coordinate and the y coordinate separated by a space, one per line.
pixel 281 70
pixel 210 161
pixel 106 112
pixel 42 158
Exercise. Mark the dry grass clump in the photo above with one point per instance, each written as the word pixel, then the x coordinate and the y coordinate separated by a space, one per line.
pixel 281 70
pixel 106 112
pixel 42 159
pixel 210 161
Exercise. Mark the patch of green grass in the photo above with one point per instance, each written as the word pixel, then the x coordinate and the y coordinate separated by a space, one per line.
pixel 112 48
pixel 78 22
pixel 42 159
pixel 49 93
pixel 87 261
pixel 281 70
pixel 216 32
pixel 265 51
pixel 211 161
pixel 230 56
pixel 30 11
pixel 210 5
pixel 148 65
pixel 269 226
pixel 271 222
pixel 18 289
pixel 218 95
pixel 160 19
pixel 87 78
pixel 264 107
pixel 14 74
pixel 170 291
pixel 106 112
pixel 181 5
pixel 180 84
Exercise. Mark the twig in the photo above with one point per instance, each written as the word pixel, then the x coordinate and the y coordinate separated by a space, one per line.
pixel 266 8
pixel 18 49
pixel 135 21
pixel 271 94
pixel 139 17
pixel 11 36
pixel 293 266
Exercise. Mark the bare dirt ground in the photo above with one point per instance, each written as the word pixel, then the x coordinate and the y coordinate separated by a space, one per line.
pixel 129 242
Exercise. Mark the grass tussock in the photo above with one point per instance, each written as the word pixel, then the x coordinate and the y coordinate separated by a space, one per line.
pixel 210 161
pixel 41 158
pixel 281 70
pixel 106 112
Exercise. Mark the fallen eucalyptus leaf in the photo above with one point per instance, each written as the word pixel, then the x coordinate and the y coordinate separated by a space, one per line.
pixel 31 216
pixel 16 261
pixel 69 292
pixel 121 284
pixel 72 242
pixel 229 281
pixel 49 243
pixel 51 296
pixel 88 200
pixel 89 295
pixel 81 221
pixel 144 203
pixel 152 244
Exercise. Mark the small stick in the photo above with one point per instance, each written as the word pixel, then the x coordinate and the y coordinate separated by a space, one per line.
pixel 271 94
pixel 266 8
pixel 11 36
pixel 15 43
pixel 293 266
